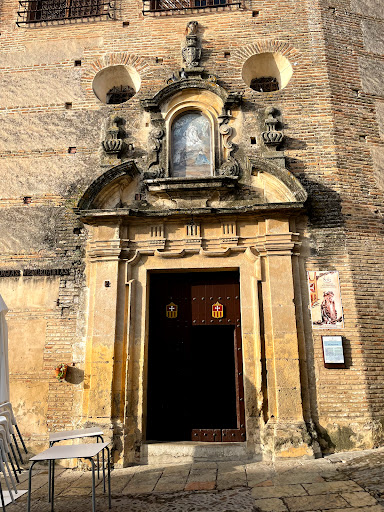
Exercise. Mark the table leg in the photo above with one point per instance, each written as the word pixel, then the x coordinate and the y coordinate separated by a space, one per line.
pixel 98 461
pixel 49 476
pixel 93 486
pixel 2 499
pixel 103 471
pixel 109 477
pixel 53 484
pixel 30 487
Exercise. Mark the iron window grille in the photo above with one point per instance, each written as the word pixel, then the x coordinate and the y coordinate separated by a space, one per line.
pixel 158 6
pixel 119 94
pixel 265 84
pixel 46 11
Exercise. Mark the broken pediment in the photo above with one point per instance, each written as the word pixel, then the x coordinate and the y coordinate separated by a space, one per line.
pixel 123 190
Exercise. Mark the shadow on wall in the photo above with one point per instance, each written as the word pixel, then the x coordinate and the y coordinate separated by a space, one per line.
pixel 325 242
pixel 74 375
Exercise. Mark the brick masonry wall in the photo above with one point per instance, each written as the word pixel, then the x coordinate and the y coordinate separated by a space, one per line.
pixel 333 122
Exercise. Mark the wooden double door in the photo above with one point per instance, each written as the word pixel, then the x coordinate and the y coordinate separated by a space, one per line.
pixel 195 363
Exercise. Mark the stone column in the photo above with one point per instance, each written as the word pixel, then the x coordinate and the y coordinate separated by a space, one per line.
pixel 103 256
pixel 285 433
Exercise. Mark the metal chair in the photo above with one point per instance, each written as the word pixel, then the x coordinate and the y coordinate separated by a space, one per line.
pixel 2 470
pixel 2 498
pixel 6 413
pixel 4 458
pixel 8 406
pixel 5 436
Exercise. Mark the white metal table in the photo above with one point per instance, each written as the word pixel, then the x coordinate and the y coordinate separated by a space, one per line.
pixel 78 451
pixel 66 435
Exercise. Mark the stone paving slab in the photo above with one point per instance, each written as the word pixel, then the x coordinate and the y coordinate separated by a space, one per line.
pixel 278 491
pixel 322 501
pixel 270 505
pixel 332 487
pixel 375 508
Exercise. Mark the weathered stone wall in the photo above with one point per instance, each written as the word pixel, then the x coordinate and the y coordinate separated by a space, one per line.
pixel 333 120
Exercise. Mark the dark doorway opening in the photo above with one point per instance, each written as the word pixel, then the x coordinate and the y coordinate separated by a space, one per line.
pixel 195 380
pixel 213 387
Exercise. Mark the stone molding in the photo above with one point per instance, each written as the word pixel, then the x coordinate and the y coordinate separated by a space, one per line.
pixel 153 104
pixel 127 168
pixel 282 174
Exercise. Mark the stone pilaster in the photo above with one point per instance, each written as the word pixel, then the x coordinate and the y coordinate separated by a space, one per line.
pixel 103 254
pixel 285 433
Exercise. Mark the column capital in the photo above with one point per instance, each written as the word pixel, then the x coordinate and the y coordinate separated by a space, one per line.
pixel 279 244
pixel 104 250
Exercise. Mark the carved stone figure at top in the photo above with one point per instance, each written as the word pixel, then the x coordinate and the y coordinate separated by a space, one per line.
pixel 191 28
pixel 191 51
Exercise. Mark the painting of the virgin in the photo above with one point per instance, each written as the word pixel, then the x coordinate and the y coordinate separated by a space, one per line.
pixel 191 146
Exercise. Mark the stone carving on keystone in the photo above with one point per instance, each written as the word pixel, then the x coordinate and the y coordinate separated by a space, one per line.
pixel 191 52
pixel 272 137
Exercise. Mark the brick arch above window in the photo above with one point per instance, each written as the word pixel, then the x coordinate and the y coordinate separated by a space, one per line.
pixel 265 46
pixel 132 61
pixel 267 58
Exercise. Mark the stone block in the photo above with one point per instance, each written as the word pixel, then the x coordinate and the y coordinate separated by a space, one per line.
pixel 270 505
pixel 372 75
pixel 295 477
pixel 378 165
pixel 359 499
pixel 373 32
pixel 200 486
pixel 372 8
pixel 278 491
pixel 380 117
pixel 332 487
pixel 319 502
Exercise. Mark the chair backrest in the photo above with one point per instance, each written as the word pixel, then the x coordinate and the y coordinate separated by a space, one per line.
pixel 8 406
pixel 4 433
pixel 3 454
pixel 6 415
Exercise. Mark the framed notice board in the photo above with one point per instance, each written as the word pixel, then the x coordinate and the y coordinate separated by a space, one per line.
pixel 333 352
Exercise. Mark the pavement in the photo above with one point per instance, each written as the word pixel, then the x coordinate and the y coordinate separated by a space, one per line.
pixel 348 482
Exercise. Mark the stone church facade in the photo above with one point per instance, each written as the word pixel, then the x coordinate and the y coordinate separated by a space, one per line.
pixel 178 177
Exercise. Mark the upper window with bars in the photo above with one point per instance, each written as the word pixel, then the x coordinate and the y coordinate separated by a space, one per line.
pixel 169 6
pixel 46 11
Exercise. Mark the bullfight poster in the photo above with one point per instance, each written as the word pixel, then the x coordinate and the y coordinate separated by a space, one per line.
pixel 325 299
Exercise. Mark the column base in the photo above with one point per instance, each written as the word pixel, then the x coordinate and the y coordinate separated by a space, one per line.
pixel 284 439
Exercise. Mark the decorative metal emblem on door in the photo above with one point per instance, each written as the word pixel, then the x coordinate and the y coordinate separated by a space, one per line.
pixel 171 310
pixel 217 310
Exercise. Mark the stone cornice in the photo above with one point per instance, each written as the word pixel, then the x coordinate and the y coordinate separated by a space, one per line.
pixel 265 210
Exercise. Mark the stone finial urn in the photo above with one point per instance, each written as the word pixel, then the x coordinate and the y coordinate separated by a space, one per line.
pixel 271 137
pixel 113 145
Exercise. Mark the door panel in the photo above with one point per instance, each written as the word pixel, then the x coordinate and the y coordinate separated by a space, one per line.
pixel 195 381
